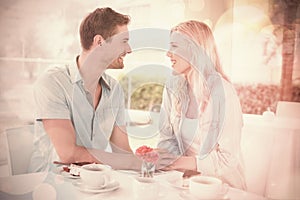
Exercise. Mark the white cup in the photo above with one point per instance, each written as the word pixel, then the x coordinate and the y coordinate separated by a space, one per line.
pixel 95 175
pixel 206 187
pixel 145 188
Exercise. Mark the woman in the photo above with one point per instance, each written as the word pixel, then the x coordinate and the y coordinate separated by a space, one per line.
pixel 201 117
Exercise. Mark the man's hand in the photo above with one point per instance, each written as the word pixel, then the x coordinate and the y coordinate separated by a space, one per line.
pixel 182 163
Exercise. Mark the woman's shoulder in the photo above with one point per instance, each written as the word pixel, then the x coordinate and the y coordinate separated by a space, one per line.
pixel 175 81
pixel 220 86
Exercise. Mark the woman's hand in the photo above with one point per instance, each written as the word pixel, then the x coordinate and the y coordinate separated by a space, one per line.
pixel 165 159
pixel 182 163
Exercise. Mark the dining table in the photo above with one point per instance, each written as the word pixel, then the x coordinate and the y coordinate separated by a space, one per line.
pixel 55 185
pixel 271 154
pixel 270 148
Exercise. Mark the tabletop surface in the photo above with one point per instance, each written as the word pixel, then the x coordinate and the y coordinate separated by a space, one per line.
pixel 57 186
pixel 275 123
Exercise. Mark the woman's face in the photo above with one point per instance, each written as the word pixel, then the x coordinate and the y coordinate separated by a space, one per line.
pixel 177 55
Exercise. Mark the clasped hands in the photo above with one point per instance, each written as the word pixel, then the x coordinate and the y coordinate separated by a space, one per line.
pixel 165 160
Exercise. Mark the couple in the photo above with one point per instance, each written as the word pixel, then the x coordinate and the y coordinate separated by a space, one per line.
pixel 81 111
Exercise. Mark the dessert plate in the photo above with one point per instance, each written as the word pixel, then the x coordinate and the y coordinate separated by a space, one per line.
pixel 59 170
pixel 177 183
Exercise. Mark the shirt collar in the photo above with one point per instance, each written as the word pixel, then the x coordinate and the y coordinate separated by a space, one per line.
pixel 74 72
pixel 76 76
pixel 104 79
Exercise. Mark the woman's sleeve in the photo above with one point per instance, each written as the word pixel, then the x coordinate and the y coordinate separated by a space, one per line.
pixel 217 108
pixel 207 158
pixel 224 164
pixel 220 154
pixel 167 139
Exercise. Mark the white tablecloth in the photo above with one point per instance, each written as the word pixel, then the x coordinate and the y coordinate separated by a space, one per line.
pixel 48 186
pixel 271 151
pixel 270 148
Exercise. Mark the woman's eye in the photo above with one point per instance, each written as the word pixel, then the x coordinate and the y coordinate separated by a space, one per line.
pixel 172 47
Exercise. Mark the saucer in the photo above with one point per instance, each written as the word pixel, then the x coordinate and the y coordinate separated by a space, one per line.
pixel 113 185
pixel 188 195
pixel 134 173
pixel 59 170
pixel 129 172
pixel 177 183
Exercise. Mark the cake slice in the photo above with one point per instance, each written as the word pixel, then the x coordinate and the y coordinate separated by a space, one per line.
pixel 75 170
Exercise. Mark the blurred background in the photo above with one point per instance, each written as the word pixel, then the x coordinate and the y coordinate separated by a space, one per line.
pixel 258 42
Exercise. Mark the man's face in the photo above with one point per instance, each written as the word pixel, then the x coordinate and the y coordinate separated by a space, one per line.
pixel 120 47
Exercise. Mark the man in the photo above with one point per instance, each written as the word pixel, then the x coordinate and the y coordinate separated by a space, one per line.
pixel 80 109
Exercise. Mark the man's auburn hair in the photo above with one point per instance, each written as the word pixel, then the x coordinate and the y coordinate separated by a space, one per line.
pixel 102 21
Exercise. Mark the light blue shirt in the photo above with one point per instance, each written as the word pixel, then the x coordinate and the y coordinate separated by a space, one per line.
pixel 59 94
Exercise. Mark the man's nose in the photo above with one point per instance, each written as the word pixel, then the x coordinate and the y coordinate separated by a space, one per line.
pixel 128 49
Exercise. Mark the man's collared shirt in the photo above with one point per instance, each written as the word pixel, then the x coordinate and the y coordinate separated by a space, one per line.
pixel 59 94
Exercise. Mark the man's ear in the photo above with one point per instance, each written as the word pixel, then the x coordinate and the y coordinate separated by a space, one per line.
pixel 98 40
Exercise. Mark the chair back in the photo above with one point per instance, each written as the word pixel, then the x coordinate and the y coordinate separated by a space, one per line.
pixel 256 151
pixel 288 109
pixel 20 148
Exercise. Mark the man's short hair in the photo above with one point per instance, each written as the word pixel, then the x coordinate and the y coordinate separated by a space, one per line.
pixel 102 21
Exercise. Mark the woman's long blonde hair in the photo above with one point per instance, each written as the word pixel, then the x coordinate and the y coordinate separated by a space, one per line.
pixel 202 35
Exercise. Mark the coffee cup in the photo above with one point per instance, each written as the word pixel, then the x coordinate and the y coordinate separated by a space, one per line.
pixel 95 175
pixel 145 188
pixel 206 187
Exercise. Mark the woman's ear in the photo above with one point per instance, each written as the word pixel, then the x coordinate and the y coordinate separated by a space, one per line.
pixel 98 40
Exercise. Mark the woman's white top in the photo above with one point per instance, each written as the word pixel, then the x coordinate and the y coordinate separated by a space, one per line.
pixel 191 142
